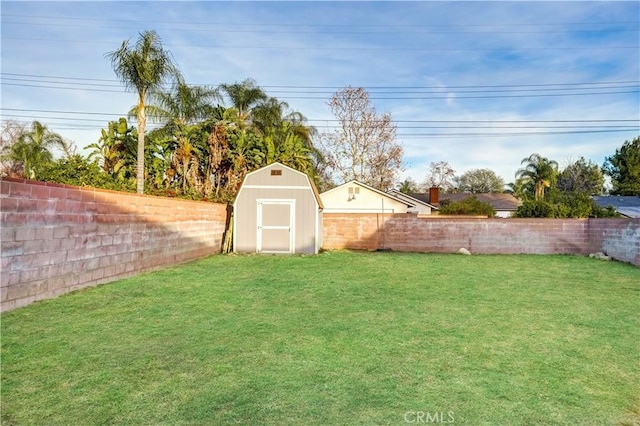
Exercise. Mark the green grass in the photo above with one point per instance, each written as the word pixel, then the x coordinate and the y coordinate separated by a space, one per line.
pixel 338 338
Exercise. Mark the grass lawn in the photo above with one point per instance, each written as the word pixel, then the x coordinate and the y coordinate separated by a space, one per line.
pixel 338 338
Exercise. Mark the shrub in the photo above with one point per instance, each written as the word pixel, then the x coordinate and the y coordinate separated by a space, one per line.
pixel 561 204
pixel 470 206
pixel 79 171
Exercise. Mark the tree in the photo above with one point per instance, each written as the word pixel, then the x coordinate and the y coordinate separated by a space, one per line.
pixel 440 175
pixel 624 168
pixel 144 67
pixel 285 137
pixel 581 176
pixel 116 149
pixel 469 206
pixel 181 112
pixel 81 171
pixel 364 146
pixel 408 186
pixel 538 173
pixel 10 133
pixel 243 97
pixel 478 181
pixel 32 150
pixel 182 105
pixel 560 204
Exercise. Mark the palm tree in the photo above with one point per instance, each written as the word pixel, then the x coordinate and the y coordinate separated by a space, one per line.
pixel 183 111
pixel 407 186
pixel 33 149
pixel 243 97
pixel 287 137
pixel 145 67
pixel 183 105
pixel 539 172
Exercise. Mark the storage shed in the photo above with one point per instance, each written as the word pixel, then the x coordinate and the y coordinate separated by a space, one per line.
pixel 277 210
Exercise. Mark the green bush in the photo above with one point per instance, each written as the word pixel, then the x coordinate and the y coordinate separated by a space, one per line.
pixel 559 204
pixel 540 208
pixel 470 206
pixel 79 171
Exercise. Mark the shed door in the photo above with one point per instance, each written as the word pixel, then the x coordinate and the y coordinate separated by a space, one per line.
pixel 275 226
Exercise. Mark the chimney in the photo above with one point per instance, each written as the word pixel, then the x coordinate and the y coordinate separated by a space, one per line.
pixel 434 195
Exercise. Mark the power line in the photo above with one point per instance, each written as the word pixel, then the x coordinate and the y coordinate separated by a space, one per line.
pixel 58 77
pixel 345 48
pixel 402 127
pixel 382 89
pixel 486 122
pixel 447 96
pixel 467 135
pixel 17 76
pixel 578 128
pixel 320 31
pixel 286 24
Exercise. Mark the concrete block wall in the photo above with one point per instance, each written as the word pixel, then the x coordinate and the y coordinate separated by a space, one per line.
pixel 617 238
pixel 59 238
pixel 405 232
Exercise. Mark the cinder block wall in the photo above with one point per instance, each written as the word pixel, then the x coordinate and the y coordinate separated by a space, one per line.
pixel 620 238
pixel 59 238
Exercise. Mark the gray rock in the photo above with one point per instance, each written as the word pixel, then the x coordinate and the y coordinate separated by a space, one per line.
pixel 600 256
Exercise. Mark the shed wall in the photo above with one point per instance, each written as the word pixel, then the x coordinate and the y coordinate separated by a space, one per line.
pixel 289 185
pixel 305 223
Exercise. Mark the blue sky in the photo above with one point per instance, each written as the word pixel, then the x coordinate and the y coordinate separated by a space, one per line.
pixel 477 84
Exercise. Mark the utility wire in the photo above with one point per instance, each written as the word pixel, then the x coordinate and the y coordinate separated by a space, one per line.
pixel 350 25
pixel 562 121
pixel 292 89
pixel 447 96
pixel 371 89
pixel 321 31
pixel 345 48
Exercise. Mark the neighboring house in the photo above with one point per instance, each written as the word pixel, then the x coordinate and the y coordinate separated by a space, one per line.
pixel 356 197
pixel 277 210
pixel 421 207
pixel 628 206
pixel 504 204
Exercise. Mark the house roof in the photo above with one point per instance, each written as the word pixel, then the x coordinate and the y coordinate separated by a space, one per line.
pixel 499 201
pixel 424 198
pixel 370 188
pixel 625 205
pixel 412 199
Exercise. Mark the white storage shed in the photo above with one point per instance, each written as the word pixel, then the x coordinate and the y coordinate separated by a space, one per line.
pixel 277 210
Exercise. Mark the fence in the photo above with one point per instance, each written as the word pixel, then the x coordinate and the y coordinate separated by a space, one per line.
pixel 619 238
pixel 58 238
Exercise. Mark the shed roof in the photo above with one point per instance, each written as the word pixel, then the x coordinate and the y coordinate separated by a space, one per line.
pixel 312 185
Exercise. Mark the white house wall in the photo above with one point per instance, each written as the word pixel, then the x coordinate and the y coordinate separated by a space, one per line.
pixel 366 201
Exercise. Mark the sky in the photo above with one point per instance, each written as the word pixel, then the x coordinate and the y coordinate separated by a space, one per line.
pixel 476 84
